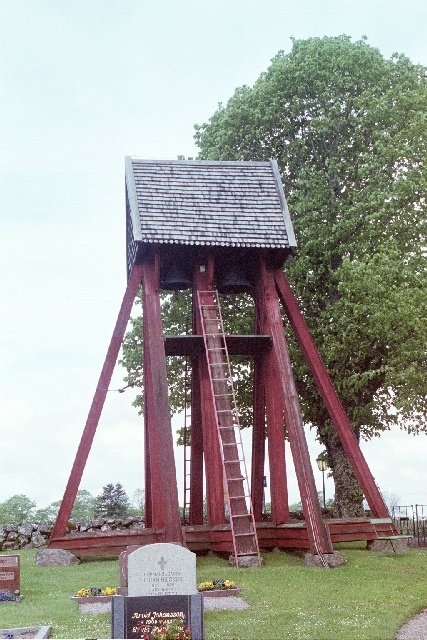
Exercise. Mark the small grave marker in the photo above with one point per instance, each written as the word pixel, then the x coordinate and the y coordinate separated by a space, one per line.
pixel 9 573
pixel 134 617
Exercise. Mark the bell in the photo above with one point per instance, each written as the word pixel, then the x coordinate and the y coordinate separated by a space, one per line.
pixel 175 278
pixel 233 280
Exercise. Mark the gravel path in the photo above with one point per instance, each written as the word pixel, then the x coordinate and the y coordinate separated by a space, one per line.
pixel 415 629
pixel 209 604
pixel 220 604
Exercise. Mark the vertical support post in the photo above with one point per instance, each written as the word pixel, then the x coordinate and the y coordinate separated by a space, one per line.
pixel 97 405
pixel 276 444
pixel 196 461
pixel 164 493
pixel 274 408
pixel 203 281
pixel 258 439
pixel 318 535
pixel 330 397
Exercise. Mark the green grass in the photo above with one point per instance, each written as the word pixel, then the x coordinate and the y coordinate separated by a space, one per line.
pixel 368 599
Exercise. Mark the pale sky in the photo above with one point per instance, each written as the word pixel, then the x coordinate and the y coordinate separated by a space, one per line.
pixel 85 83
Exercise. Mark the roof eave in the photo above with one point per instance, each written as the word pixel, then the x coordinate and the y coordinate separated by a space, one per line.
pixel 133 199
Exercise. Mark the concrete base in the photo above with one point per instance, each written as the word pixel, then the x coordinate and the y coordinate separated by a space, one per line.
pixel 56 558
pixel 331 560
pixel 394 544
pixel 246 562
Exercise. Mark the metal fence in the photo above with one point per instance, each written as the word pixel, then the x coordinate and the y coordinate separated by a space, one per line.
pixel 411 520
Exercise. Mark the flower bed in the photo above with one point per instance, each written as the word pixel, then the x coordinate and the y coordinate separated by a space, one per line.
pixel 89 596
pixel 8 596
pixel 218 588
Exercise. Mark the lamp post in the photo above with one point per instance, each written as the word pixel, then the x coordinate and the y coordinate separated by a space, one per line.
pixel 322 465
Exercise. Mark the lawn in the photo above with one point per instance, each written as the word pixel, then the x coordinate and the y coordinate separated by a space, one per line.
pixel 368 599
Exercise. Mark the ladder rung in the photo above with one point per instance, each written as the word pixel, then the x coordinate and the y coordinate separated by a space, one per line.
pixel 246 515
pixel 249 553
pixel 230 461
pixel 235 479
pixel 239 498
pixel 241 535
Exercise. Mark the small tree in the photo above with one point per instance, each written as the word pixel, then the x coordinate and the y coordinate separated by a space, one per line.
pixel 48 514
pixel 113 502
pixel 17 509
pixel 84 506
pixel 138 502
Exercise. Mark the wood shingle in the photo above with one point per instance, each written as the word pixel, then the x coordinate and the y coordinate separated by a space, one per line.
pixel 223 204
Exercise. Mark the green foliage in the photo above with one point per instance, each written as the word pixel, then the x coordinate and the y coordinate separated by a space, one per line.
pixel 113 502
pixel 47 514
pixel 349 131
pixel 83 508
pixel 17 509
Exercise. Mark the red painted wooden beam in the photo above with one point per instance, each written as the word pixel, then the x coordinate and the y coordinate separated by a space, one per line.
pixel 164 490
pixel 258 439
pixel 196 460
pixel 320 542
pixel 330 397
pixel 273 409
pixel 97 404
pixel 276 443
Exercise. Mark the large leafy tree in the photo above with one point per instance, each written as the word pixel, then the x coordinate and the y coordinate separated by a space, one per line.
pixel 348 129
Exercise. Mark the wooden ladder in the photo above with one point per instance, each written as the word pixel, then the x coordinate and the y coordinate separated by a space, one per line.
pixel 236 485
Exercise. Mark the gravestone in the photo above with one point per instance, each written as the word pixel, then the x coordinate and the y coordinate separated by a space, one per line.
pixel 136 617
pixel 162 588
pixel 161 569
pixel 9 573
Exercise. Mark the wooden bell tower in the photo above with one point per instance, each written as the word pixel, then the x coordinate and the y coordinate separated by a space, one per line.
pixel 217 228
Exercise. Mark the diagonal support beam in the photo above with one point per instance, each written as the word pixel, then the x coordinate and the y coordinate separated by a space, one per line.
pixel 95 411
pixel 330 397
pixel 319 539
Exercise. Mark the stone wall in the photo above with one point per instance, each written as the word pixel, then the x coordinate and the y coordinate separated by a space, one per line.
pixel 35 536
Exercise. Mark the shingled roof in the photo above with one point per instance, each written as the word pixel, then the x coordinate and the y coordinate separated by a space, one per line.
pixel 229 204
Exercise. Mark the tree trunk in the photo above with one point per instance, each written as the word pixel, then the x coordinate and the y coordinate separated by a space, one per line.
pixel 348 500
